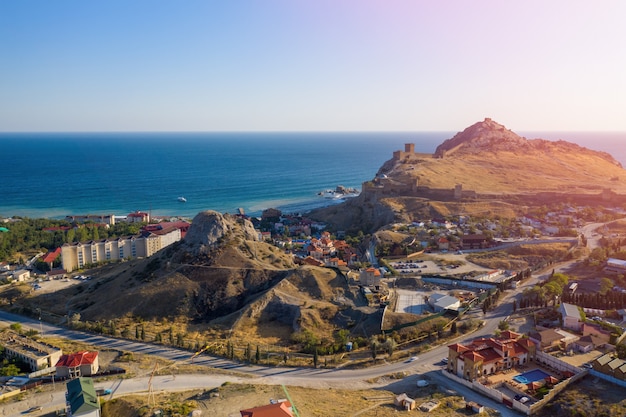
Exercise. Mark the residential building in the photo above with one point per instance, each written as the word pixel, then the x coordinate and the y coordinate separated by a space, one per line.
pixel 20 275
pixel 477 241
pixel 36 354
pixel 487 356
pixel 77 364
pixel 546 339
pixel 370 276
pixel 138 217
pixel 571 317
pixel 81 398
pixel 443 243
pixel 77 255
pixel 276 409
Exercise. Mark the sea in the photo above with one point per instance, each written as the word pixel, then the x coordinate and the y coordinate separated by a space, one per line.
pixel 52 175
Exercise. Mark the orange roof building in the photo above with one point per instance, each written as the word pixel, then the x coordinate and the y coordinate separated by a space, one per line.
pixel 280 409
pixel 77 364
pixel 486 356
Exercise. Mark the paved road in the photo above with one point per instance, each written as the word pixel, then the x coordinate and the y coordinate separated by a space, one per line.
pixel 428 363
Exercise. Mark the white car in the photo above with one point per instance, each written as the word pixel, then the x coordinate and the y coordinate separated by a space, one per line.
pixel 413 358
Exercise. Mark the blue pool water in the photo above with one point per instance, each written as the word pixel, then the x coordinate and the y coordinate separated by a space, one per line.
pixel 531 376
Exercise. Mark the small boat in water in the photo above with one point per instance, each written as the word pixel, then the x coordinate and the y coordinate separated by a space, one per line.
pixel 182 199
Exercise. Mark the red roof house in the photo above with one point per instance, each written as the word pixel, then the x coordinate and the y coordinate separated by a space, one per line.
pixel 51 256
pixel 78 364
pixel 280 409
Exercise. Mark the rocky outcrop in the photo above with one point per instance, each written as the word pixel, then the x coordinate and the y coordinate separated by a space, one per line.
pixel 208 228
pixel 491 137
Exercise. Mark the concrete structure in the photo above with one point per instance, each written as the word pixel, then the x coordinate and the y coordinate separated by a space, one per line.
pixel 82 400
pixel 571 317
pixel 36 354
pixel 440 302
pixel 77 364
pixel 615 265
pixel 78 255
pixel 404 402
pixel 486 356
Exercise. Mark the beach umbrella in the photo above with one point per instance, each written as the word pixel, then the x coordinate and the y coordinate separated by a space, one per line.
pixel 551 380
pixel 533 385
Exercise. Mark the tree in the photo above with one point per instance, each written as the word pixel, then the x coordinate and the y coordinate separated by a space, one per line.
pixel 453 328
pixel 16 327
pixel 606 285
pixel 374 347
pixel 315 358
pixel 257 356
pixel 503 325
pixel 143 333
pixel 390 345
pixel 136 332
pixel 9 370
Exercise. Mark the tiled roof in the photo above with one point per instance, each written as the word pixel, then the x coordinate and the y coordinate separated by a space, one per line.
pixel 457 347
pixel 77 359
pixel 281 409
pixel 51 256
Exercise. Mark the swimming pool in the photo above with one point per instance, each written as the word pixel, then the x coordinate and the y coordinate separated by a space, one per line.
pixel 531 376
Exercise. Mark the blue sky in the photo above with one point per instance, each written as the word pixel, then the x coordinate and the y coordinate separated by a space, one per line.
pixel 352 65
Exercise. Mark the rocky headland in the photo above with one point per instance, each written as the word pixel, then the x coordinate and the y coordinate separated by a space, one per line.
pixel 485 168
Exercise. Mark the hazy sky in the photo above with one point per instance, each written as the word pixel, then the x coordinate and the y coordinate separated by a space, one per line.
pixel 293 65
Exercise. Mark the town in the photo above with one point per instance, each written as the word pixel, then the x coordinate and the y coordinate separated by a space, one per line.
pixel 545 345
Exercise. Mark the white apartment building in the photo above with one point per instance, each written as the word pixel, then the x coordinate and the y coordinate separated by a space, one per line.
pixel 77 255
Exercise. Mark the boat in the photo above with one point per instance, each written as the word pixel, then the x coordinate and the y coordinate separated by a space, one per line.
pixel 182 199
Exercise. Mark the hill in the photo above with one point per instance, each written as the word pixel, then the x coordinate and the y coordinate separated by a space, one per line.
pixel 220 278
pixel 484 169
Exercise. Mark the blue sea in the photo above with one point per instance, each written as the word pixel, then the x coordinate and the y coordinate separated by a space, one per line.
pixel 56 174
